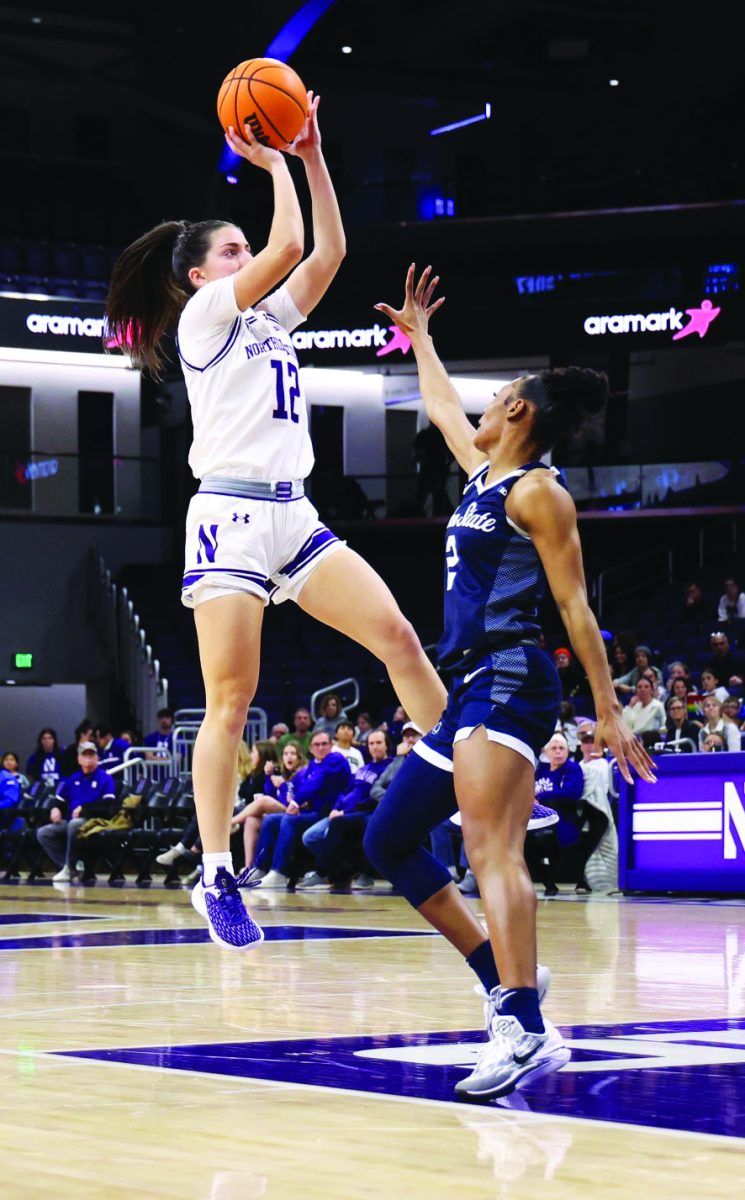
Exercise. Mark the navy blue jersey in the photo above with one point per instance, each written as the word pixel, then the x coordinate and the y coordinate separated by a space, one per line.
pixel 494 579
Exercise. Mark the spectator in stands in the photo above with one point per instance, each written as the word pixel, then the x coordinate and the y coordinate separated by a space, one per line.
pixel 395 726
pixel 732 602
pixel 559 778
pixel 111 750
pixel 83 733
pixel 694 610
pixel 336 840
pixel 363 729
pixel 713 742
pixel 676 670
pixel 279 729
pixel 559 782
pixel 622 657
pixel 598 841
pixel 659 691
pixel 331 714
pixel 46 760
pixel 262 762
pixel 711 685
pixel 714 722
pixel 724 662
pixel 343 743
pixel 566 723
pixel 129 736
pixel 679 727
pixel 645 715
pixel 732 711
pixel 300 733
pixel 315 791
pixel 683 689
pixel 9 763
pixel 190 841
pixel 642 659
pixel 88 785
pixel 569 674
pixel 411 734
pixel 162 737
pixel 277 793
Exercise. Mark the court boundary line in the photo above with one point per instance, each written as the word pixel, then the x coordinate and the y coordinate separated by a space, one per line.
pixel 282 1085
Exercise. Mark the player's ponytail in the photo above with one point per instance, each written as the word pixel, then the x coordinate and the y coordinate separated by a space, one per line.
pixel 150 285
pixel 562 398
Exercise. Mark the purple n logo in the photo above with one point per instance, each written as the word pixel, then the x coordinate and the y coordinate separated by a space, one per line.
pixel 207 543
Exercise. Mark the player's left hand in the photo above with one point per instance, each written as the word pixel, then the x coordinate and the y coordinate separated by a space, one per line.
pixel 308 141
pixel 611 732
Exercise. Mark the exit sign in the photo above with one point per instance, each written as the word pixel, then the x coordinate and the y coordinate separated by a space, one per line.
pixel 23 660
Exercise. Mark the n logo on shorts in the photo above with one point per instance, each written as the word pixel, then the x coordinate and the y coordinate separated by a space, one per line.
pixel 207 542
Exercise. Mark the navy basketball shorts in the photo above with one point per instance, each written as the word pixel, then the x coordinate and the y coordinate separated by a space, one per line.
pixel 513 692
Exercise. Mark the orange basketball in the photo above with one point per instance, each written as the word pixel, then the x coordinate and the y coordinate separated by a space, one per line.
pixel 267 94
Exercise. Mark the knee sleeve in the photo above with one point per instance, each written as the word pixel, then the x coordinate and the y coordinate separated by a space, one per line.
pixel 420 797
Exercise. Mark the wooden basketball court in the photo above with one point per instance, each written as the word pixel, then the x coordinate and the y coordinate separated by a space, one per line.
pixel 141 1061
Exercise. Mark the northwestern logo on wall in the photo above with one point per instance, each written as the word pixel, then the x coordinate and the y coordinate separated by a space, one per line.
pixel 717 825
pixel 699 320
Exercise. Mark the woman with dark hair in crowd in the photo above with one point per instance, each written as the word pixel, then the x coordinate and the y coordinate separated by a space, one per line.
pixel 621 655
pixel 514 531
pixel 46 760
pixel 251 533
pixel 331 714
pixel 682 688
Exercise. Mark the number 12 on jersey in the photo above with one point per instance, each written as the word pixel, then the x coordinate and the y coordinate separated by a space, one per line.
pixel 451 560
pixel 287 390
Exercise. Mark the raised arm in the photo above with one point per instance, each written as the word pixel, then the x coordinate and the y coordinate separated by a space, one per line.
pixel 309 281
pixel 441 401
pixel 284 247
pixel 541 506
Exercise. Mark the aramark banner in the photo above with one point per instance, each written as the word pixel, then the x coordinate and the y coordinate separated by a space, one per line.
pixel 685 833
pixel 337 334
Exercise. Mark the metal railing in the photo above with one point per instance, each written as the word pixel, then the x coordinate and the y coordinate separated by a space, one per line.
pixel 144 762
pixel 337 687
pixel 136 670
pixel 605 590
pixel 187 723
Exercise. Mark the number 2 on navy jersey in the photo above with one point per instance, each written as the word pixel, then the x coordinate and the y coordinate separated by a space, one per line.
pixel 451 560
pixel 287 396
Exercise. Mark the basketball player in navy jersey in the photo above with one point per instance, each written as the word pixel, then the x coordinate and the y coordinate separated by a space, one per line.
pixel 515 529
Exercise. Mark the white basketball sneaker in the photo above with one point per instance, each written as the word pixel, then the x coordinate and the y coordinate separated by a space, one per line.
pixel 512 1056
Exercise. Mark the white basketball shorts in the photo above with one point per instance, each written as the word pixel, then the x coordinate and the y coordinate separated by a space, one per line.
pixel 266 547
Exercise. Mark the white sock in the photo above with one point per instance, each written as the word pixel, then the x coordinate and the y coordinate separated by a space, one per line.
pixel 181 848
pixel 211 863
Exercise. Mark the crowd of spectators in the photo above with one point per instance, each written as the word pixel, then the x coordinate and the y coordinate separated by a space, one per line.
pixel 304 796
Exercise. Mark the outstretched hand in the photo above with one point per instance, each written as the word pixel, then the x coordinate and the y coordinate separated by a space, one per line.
pixel 308 141
pixel 626 749
pixel 253 151
pixel 417 308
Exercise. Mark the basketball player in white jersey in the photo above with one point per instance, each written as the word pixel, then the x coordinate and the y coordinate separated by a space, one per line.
pixel 251 534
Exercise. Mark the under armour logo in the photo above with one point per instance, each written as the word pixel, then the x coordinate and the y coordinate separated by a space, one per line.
pixel 241 517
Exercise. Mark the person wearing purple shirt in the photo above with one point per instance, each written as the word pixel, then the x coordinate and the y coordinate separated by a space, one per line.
pixel 111 750
pixel 336 840
pixel 45 763
pixel 162 737
pixel 315 791
pixel 560 783
pixel 89 785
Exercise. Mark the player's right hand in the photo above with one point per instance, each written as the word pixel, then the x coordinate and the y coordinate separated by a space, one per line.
pixel 253 151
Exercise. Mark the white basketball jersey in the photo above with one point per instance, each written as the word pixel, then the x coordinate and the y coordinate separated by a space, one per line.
pixel 247 404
